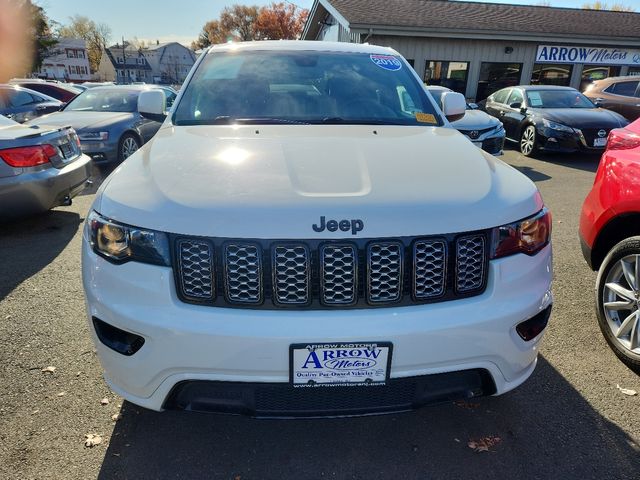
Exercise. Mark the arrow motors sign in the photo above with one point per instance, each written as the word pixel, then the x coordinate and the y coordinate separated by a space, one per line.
pixel 590 55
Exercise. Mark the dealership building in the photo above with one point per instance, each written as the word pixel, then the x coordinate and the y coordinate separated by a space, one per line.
pixel 477 48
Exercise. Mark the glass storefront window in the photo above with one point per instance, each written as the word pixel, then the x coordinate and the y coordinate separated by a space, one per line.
pixel 551 74
pixel 495 76
pixel 452 75
pixel 591 73
pixel 634 71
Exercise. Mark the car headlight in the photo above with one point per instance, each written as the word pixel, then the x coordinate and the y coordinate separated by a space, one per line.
pixel 94 136
pixel 556 126
pixel 120 243
pixel 527 236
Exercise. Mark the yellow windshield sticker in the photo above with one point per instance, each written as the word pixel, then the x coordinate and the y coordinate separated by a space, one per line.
pixel 425 117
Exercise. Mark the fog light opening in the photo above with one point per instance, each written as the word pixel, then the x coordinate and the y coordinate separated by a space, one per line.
pixel 530 329
pixel 123 342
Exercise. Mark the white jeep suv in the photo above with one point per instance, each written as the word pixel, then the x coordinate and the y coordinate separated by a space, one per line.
pixel 306 235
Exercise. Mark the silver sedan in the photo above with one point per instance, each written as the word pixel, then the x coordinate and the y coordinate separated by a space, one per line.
pixel 40 168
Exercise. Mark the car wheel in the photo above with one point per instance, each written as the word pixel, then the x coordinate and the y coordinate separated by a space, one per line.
pixel 129 143
pixel 528 141
pixel 618 301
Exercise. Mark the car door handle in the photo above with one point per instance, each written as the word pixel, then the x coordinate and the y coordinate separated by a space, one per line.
pixel 502 114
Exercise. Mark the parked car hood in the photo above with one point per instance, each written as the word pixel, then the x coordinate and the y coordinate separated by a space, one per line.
pixel 277 181
pixel 582 117
pixel 81 120
pixel 475 120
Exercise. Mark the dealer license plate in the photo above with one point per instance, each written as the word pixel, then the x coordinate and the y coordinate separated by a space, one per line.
pixel 600 142
pixel 346 364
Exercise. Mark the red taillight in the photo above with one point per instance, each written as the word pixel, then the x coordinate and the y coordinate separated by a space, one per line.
pixel 622 139
pixel 28 156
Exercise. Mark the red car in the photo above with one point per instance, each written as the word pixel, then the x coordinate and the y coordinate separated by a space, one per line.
pixel 610 238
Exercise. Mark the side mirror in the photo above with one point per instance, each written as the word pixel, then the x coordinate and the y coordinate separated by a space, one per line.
pixel 152 105
pixel 454 105
pixel 515 105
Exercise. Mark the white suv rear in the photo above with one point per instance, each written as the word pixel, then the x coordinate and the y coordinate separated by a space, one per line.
pixel 306 235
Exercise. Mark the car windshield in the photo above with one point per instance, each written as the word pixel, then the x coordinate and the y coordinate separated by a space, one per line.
pixel 263 87
pixel 558 99
pixel 105 100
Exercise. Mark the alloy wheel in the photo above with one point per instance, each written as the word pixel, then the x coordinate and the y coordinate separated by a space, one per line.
pixel 620 301
pixel 528 140
pixel 129 145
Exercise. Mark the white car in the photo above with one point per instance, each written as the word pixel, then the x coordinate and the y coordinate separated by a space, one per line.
pixel 306 235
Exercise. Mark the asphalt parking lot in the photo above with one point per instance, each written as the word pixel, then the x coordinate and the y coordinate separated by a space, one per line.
pixel 568 421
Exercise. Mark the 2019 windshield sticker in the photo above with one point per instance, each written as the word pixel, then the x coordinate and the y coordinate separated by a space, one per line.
pixel 388 62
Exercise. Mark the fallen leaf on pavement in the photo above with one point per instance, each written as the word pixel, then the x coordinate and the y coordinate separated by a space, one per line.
pixel 91 440
pixel 627 391
pixel 104 401
pixel 466 405
pixel 62 394
pixel 115 417
pixel 484 444
pixel 48 369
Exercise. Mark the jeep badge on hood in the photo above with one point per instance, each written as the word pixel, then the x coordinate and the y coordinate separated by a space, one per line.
pixel 355 225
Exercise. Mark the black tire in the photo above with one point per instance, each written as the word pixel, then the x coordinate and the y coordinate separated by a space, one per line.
pixel 607 318
pixel 125 146
pixel 528 141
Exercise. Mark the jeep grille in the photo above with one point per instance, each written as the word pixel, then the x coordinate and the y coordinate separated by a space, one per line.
pixel 330 274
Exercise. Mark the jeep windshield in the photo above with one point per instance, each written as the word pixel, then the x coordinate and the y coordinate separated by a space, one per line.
pixel 309 87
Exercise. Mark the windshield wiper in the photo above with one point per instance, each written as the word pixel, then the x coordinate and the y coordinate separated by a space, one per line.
pixel 228 120
pixel 350 121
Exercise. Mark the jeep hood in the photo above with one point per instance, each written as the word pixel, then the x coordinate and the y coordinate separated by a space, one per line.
pixel 276 181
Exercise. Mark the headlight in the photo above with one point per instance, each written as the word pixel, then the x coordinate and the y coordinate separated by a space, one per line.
pixel 94 136
pixel 121 243
pixel 527 236
pixel 556 126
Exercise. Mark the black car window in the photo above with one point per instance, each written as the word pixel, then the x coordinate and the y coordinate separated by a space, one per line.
pixel 501 96
pixel 558 99
pixel 515 97
pixel 19 98
pixel 627 89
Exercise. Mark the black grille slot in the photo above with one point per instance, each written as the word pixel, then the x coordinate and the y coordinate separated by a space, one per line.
pixel 291 269
pixel 470 263
pixel 430 261
pixel 195 261
pixel 316 274
pixel 339 270
pixel 243 273
pixel 384 273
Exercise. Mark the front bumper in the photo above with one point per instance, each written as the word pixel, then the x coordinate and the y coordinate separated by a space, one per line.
pixel 491 142
pixel 40 189
pixel 565 142
pixel 100 152
pixel 187 343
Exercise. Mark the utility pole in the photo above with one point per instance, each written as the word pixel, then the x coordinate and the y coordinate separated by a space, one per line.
pixel 125 72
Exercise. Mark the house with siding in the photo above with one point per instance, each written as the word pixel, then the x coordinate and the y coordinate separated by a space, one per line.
pixel 124 63
pixel 170 62
pixel 66 61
